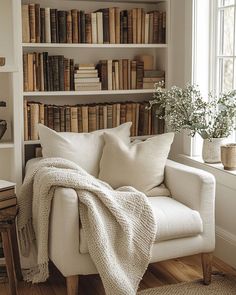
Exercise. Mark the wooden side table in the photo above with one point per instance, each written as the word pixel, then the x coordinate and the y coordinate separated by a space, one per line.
pixel 10 246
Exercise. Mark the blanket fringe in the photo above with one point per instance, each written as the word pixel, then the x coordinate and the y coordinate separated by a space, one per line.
pixel 26 238
pixel 36 274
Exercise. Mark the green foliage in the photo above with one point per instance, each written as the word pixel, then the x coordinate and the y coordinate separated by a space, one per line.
pixel 187 109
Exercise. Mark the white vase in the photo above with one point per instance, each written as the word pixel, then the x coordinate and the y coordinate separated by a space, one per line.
pixel 211 150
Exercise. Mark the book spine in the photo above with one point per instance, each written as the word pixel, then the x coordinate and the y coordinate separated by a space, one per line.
pixel 66 74
pixel 134 24
pixel 56 118
pixel 160 21
pixel 54 25
pixel 130 27
pixel 55 71
pixel 109 74
pixel 125 27
pixel 164 27
pixel 99 27
pixel 139 25
pixel 94 27
pixel 30 71
pixel 42 23
pixel 62 118
pixel 122 27
pixel 67 119
pixel 82 26
pixel 61 68
pixel 112 33
pixel 69 37
pixel 25 72
pixel 117 25
pixel 74 119
pixel 74 26
pixel 25 23
pixel 139 75
pixel 26 131
pixel 155 27
pixel 47 25
pixel 106 36
pixel 62 26
pixel 146 40
pixel 37 23
pixel 151 29
pixel 32 22
pixel 88 28
pixel 72 86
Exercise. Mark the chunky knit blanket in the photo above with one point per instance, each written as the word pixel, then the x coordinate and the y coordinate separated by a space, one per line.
pixel 119 224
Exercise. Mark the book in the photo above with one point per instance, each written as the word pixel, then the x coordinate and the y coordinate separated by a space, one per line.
pixel 147 20
pixel 139 25
pixel 6 185
pixel 85 118
pixel 37 23
pixel 117 25
pixel 87 80
pixel 88 28
pixel 61 69
pixel 54 22
pixel 74 119
pixel 86 75
pixel 47 25
pixel 112 31
pixel 74 26
pixel 99 27
pixel 69 31
pixel 130 27
pixel 139 74
pixel 42 24
pixel 134 25
pixel 94 27
pixel 82 27
pixel 32 22
pixel 8 203
pixel 25 23
pixel 7 193
pixel 56 119
pixel 62 26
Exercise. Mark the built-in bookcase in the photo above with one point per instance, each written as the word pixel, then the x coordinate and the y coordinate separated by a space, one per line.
pixel 81 53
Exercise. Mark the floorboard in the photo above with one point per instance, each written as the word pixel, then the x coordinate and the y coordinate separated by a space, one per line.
pixel 158 274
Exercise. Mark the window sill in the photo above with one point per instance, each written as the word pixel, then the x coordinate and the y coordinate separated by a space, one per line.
pixel 224 177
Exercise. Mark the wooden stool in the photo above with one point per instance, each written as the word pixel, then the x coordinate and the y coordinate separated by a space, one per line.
pixel 10 246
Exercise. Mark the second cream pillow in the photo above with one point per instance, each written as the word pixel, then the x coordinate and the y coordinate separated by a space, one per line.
pixel 139 165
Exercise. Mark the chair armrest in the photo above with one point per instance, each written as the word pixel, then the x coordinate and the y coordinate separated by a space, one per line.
pixel 191 186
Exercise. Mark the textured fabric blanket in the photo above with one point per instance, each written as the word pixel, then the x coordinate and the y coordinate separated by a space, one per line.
pixel 119 224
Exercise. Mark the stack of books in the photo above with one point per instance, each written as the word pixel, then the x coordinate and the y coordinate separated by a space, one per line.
pixel 7 194
pixel 106 25
pixel 86 78
pixel 91 117
pixel 152 78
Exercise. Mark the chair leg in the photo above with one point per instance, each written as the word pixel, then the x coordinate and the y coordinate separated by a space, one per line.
pixel 72 284
pixel 206 267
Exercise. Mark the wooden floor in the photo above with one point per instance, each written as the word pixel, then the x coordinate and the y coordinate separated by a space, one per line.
pixel 158 274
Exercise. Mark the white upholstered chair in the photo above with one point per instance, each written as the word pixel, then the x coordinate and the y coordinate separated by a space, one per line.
pixel 186 225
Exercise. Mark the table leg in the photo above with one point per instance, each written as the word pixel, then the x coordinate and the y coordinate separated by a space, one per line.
pixel 8 253
pixel 15 250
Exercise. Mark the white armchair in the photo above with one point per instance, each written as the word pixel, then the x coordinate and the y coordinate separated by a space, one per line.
pixel 186 224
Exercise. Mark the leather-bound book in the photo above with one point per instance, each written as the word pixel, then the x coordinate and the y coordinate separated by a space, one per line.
pixel 133 127
pixel 32 22
pixel 56 118
pixel 112 31
pixel 30 64
pixel 41 113
pixel 62 110
pixel 29 121
pixel 105 116
pixel 139 25
pixel 94 27
pixel 109 74
pixel 34 112
pixel 160 22
pixel 51 75
pixel 130 27
pixel 125 73
pixel 50 116
pixel 25 23
pixel 101 119
pixel 42 24
pixel 25 72
pixel 140 74
pixel 164 28
pixel 85 118
pixel 134 24
pixel 129 74
pixel 47 25
pixel 121 87
pixel 88 28
pixel 116 65
pixel 117 25
pixel 68 27
pixel 92 118
pixel 61 68
pixel 37 23
pixel 82 26
pixel 74 119
pixel 42 87
pixel 109 116
pixel 54 25
pixel 26 131
pixel 150 38
pixel 62 26
pixel 74 25
pixel 66 74
pixel 34 72
pixel 122 113
pixel 55 72
pixel 146 33
pixel 143 27
pixel 46 115
pixel 106 26
pixel 67 119
pixel 128 112
pixel 114 115
pixel 72 85
pixel 122 26
pixel 155 27
pixel 125 26
pixel 80 119
pixel 38 72
pixel 137 118
pixel 133 74
pixel 99 27
pixel 103 73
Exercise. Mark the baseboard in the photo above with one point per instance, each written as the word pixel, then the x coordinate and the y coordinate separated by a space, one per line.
pixel 225 246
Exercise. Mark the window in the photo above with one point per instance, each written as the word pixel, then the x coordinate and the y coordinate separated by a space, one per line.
pixel 224 46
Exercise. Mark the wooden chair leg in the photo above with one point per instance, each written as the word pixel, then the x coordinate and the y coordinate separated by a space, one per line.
pixel 72 284
pixel 7 249
pixel 16 253
pixel 206 267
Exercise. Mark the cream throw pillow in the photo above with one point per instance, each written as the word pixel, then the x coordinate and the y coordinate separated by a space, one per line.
pixel 139 165
pixel 85 149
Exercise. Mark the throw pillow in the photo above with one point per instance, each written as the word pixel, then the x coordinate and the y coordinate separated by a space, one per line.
pixel 85 149
pixel 140 165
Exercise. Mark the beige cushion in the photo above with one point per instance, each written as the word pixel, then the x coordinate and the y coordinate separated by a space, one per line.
pixel 85 149
pixel 174 221
pixel 139 165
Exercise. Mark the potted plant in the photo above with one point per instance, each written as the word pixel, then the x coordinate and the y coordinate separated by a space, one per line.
pixel 212 119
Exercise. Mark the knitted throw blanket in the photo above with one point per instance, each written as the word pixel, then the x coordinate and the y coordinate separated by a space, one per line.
pixel 119 224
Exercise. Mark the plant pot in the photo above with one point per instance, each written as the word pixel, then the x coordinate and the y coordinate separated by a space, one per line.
pixel 3 127
pixel 211 150
pixel 228 156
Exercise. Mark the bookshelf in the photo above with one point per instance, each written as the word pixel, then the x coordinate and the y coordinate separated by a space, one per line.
pixel 15 146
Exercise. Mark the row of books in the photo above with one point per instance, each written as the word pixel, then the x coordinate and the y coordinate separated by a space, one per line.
pixel 47 73
pixel 107 25
pixel 7 195
pixel 43 72
pixel 87 118
pixel 126 74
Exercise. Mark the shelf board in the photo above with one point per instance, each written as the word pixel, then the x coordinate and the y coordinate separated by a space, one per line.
pixel 144 137
pixel 85 45
pixel 81 93
pixel 8 69
pixel 6 145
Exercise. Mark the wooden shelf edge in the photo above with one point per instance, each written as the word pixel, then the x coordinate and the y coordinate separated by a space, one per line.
pixel 6 145
pixel 82 93
pixel 86 45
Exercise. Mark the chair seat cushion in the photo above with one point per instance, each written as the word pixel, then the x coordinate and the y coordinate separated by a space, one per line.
pixel 174 220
